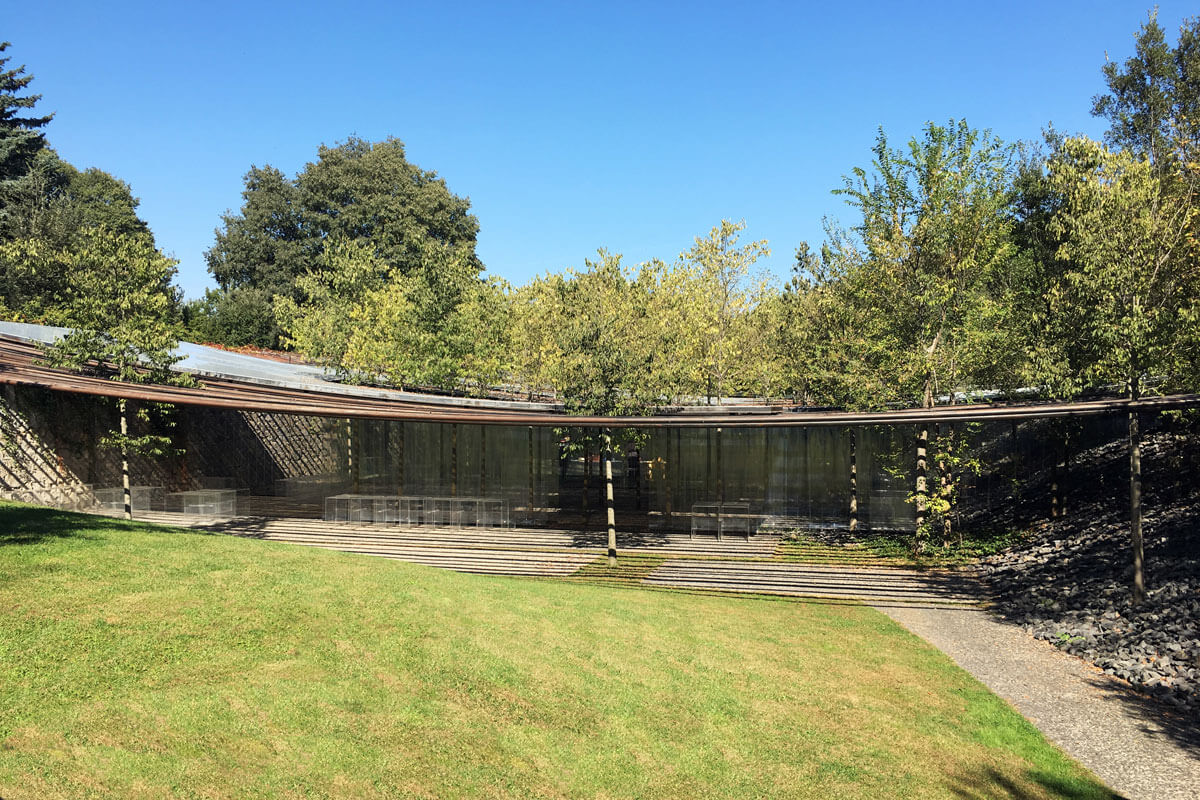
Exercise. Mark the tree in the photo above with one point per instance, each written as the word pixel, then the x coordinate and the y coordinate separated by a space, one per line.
pixel 119 305
pixel 21 137
pixel 258 254
pixel 1128 311
pixel 232 317
pixel 535 317
pixel 605 350
pixel 363 191
pixel 1153 99
pixel 53 209
pixel 925 283
pixel 357 191
pixel 436 325
pixel 718 293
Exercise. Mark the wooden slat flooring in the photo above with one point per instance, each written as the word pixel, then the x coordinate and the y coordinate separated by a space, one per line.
pixel 355 536
pixel 706 564
pixel 811 580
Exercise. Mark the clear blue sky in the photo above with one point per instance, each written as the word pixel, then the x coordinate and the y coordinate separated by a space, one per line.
pixel 570 126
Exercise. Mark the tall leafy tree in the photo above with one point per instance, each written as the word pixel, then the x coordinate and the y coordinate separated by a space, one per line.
pixel 605 350
pixel 718 290
pixel 259 253
pixel 56 208
pixel 119 304
pixel 357 191
pixel 364 191
pixel 1128 312
pixel 1153 98
pixel 437 325
pixel 935 237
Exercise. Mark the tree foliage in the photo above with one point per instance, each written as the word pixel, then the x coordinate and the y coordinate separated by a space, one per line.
pixel 1153 99
pixel 435 325
pixel 1127 311
pixel 358 191
pixel 21 137
pixel 718 291
pixel 935 239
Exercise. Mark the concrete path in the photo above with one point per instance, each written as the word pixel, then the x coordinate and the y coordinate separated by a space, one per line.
pixel 1135 747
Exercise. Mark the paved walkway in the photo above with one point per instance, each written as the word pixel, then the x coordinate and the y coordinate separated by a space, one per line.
pixel 1132 745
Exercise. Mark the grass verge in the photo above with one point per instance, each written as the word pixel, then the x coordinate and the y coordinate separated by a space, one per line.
pixel 142 662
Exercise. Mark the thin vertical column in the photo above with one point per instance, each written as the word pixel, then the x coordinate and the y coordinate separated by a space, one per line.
pixel 400 457
pixel 454 459
pixel 921 489
pixel 483 461
pixel 529 509
pixel 125 491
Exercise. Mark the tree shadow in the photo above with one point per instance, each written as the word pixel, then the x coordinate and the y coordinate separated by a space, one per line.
pixel 23 524
pixel 993 785
pixel 1153 717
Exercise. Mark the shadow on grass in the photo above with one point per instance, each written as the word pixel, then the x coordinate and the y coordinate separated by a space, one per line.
pixel 992 785
pixel 23 524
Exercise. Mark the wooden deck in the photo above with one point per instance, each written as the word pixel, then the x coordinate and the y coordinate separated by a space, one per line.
pixel 678 560
pixel 868 584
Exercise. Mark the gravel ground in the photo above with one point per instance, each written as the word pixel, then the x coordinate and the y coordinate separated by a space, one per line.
pixel 1068 584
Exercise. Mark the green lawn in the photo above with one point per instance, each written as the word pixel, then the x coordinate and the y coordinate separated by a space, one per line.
pixel 140 662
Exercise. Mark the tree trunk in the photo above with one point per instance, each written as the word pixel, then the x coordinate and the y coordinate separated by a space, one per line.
pixel 608 499
pixel 720 485
pixel 853 483
pixel 587 479
pixel 126 494
pixel 947 483
pixel 921 533
pixel 921 493
pixel 1135 507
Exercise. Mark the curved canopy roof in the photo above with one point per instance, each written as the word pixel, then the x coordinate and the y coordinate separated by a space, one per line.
pixel 249 383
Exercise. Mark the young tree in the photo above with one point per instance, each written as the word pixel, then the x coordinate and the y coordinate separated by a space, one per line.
pixel 1128 311
pixel 605 351
pixel 119 305
pixel 717 293
pixel 936 236
pixel 436 325
pixel 534 351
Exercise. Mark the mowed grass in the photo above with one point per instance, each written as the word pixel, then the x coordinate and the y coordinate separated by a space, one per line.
pixel 142 662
